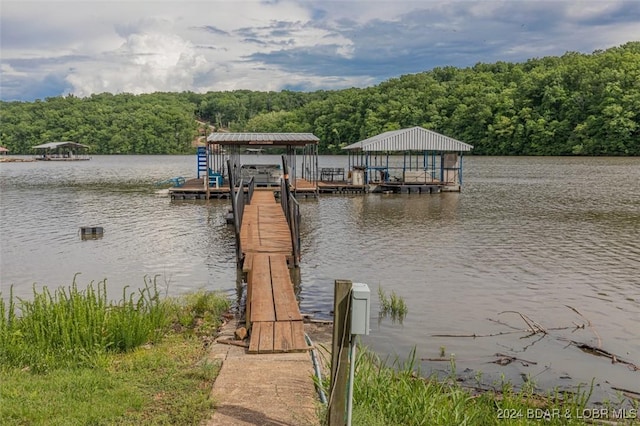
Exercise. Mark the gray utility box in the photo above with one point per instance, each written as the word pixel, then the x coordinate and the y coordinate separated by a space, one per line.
pixel 360 308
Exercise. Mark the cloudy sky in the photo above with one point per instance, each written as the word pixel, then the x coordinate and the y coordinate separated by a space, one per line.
pixel 53 47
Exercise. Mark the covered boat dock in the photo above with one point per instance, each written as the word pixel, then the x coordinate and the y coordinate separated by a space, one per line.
pixel 62 151
pixel 300 149
pixel 212 181
pixel 407 161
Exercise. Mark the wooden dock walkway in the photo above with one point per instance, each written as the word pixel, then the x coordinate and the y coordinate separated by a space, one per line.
pixel 272 311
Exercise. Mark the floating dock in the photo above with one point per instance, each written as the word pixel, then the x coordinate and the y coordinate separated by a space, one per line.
pixel 406 161
pixel 194 189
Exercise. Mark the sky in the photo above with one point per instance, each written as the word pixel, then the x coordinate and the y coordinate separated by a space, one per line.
pixel 52 47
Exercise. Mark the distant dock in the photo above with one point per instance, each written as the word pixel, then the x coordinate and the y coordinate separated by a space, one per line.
pixel 6 159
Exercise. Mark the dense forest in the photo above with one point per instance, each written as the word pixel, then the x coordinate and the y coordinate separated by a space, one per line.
pixel 576 104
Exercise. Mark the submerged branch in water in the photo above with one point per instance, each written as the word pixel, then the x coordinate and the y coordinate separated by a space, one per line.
pixel 502 333
pixel 533 326
pixel 588 324
pixel 501 359
pixel 479 335
pixel 508 359
pixel 615 359
pixel 628 393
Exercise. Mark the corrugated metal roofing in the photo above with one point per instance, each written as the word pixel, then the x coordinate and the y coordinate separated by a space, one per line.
pixel 263 138
pixel 53 145
pixel 412 139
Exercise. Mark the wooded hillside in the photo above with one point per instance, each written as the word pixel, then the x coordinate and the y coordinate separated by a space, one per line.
pixel 580 104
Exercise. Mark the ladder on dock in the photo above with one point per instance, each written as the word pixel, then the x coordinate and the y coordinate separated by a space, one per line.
pixel 266 249
pixel 202 161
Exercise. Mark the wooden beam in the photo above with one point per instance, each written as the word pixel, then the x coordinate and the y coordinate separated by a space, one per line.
pixel 340 353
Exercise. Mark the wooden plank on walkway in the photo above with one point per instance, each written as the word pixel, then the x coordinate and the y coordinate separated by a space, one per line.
pixel 263 197
pixel 248 262
pixel 254 342
pixel 265 230
pixel 282 336
pixel 262 306
pixel 266 337
pixel 286 305
pixel 297 336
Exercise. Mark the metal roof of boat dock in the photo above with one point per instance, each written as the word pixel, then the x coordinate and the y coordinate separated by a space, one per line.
pixel 263 138
pixel 54 145
pixel 411 139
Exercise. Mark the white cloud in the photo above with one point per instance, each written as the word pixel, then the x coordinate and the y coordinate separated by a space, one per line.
pixel 139 46
pixel 146 62
pixel 590 9
pixel 8 71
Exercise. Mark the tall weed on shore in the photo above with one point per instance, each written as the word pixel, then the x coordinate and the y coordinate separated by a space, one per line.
pixel 71 327
pixel 396 394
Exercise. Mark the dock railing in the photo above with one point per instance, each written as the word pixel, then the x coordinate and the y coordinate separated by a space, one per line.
pixel 291 209
pixel 238 201
pixel 251 186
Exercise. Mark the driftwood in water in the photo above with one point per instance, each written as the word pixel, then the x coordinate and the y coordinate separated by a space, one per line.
pixel 588 324
pixel 615 359
pixel 501 359
pixel 508 359
pixel 535 328
pixel 628 393
pixel 502 333
pixel 477 335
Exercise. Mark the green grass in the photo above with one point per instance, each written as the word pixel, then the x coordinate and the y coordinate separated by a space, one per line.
pixel 167 383
pixel 393 305
pixel 396 394
pixel 199 312
pixel 72 327
pixel 72 357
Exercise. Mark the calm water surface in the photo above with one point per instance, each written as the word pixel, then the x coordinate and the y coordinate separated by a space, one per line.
pixel 535 236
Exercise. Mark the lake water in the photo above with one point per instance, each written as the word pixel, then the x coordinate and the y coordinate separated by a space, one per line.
pixel 542 237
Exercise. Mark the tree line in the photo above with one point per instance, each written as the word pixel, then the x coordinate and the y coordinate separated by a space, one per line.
pixel 574 104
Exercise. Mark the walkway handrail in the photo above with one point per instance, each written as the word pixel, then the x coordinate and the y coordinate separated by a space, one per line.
pixel 291 209
pixel 237 208
pixel 250 189
pixel 284 199
pixel 294 224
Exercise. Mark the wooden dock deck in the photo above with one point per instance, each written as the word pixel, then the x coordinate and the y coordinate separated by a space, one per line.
pixel 194 189
pixel 272 311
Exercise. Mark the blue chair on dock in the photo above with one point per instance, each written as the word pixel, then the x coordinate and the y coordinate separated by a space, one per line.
pixel 215 179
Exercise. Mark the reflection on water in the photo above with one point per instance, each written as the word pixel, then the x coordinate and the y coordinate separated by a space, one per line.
pixel 554 239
